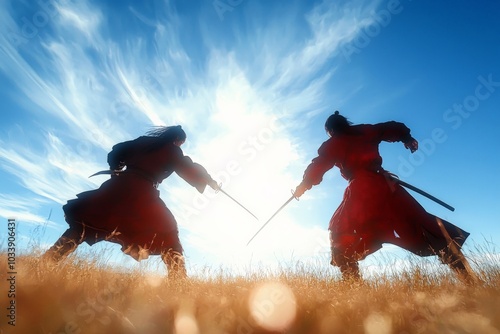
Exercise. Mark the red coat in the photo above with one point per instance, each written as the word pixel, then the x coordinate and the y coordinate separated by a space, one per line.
pixel 374 210
pixel 127 209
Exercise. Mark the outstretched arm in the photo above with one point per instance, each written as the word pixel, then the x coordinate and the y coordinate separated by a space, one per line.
pixel 395 131
pixel 313 174
pixel 195 174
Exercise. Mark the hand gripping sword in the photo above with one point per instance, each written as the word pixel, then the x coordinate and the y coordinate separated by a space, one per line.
pixel 264 225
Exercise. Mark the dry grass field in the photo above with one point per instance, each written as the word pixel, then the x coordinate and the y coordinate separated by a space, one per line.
pixel 87 296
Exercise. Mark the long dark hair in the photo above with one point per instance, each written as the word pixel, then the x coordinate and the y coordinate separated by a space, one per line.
pixel 166 135
pixel 336 123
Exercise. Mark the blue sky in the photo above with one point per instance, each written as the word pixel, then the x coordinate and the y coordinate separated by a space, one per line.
pixel 252 83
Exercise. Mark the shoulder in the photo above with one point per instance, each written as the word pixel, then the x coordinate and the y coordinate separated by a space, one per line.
pixel 392 127
pixel 362 128
pixel 173 150
pixel 328 146
pixel 369 130
pixel 390 124
pixel 138 140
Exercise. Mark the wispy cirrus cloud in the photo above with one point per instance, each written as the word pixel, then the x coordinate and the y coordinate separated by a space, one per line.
pixel 22 208
pixel 92 87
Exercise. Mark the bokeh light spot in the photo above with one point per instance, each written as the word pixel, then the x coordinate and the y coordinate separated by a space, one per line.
pixel 272 306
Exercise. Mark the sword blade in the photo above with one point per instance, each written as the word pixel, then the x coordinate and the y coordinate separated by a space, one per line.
pixel 262 227
pixel 225 193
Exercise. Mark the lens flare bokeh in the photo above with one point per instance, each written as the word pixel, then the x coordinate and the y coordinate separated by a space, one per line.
pixel 272 306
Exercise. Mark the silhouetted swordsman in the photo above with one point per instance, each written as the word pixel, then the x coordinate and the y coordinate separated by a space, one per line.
pixel 127 208
pixel 375 209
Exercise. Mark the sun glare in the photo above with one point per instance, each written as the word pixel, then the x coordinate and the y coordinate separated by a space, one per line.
pixel 252 163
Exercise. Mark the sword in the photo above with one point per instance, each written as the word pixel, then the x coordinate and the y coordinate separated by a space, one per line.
pixel 225 193
pixel 420 191
pixel 262 227
pixel 103 172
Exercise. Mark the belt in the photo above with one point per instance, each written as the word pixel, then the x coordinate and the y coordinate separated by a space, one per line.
pixel 134 171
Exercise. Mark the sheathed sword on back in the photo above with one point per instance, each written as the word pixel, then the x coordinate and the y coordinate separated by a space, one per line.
pixel 390 176
pixel 393 178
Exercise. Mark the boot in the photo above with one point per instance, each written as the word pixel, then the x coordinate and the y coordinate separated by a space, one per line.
pixel 64 246
pixel 348 265
pixel 350 271
pixel 457 265
pixel 176 265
